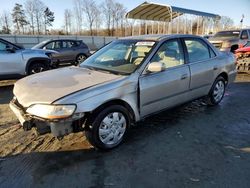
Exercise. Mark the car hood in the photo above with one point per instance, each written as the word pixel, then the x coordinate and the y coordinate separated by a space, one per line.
pixel 49 86
pixel 244 49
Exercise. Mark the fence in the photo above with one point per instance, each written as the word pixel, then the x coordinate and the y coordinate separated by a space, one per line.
pixel 27 41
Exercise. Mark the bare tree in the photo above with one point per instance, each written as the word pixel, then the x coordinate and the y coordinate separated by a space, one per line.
pixel 107 7
pixel 39 11
pixel 30 10
pixel 226 22
pixel 119 14
pixel 78 14
pixel 5 22
pixel 90 9
pixel 67 21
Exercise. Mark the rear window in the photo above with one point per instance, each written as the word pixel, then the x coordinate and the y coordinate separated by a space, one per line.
pixel 233 34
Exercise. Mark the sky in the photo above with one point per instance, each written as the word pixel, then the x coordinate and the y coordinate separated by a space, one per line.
pixel 232 8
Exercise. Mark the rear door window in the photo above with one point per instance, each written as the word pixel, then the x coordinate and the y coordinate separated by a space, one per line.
pixel 2 46
pixel 197 50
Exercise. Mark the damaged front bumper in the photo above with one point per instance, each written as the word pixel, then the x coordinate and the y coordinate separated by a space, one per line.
pixel 58 128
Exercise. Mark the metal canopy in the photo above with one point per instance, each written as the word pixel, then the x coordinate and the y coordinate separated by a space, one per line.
pixel 161 12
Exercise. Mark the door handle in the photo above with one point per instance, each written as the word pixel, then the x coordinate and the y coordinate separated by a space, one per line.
pixel 184 76
pixel 215 67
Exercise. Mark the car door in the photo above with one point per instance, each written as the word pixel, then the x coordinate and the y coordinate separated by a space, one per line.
pixel 56 46
pixel 203 66
pixel 69 51
pixel 168 88
pixel 10 62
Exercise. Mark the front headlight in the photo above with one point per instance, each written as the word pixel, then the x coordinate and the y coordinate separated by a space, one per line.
pixel 51 111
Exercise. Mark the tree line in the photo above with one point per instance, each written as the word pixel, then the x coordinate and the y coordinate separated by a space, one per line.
pixel 87 17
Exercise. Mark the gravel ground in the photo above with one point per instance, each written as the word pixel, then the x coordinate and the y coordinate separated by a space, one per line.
pixel 188 146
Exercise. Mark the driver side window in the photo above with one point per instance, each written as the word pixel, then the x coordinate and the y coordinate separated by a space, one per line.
pixel 170 54
pixel 2 46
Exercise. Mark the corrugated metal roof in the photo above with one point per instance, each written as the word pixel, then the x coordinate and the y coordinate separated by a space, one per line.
pixel 161 12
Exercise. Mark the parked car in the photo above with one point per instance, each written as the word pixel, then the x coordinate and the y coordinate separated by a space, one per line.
pixel 15 61
pixel 230 40
pixel 243 51
pixel 69 51
pixel 121 84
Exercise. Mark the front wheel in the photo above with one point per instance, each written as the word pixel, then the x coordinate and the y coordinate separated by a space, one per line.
pixel 217 92
pixel 108 127
pixel 37 67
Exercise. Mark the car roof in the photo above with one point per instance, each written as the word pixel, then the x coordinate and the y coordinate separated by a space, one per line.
pixel 159 37
pixel 50 40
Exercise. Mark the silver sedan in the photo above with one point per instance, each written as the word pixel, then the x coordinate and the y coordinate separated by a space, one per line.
pixel 121 84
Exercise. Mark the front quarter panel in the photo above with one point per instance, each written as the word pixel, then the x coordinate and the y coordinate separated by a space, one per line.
pixel 88 100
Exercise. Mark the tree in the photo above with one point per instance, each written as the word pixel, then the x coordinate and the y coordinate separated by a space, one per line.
pixel 48 18
pixel 30 10
pixel 119 14
pixel 78 15
pixel 226 22
pixel 90 9
pixel 19 18
pixel 39 8
pixel 5 22
pixel 67 21
pixel 107 7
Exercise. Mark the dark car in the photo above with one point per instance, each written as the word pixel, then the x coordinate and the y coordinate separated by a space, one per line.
pixel 69 51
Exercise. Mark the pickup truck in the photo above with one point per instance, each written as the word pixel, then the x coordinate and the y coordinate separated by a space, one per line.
pixel 230 40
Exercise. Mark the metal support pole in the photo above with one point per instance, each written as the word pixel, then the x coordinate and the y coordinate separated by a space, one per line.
pixel 171 19
pixel 203 25
pixel 140 28
pixel 152 27
pixel 185 25
pixel 178 23
pixel 197 31
pixel 191 28
pixel 158 32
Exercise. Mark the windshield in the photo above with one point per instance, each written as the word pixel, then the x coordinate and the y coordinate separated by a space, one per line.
pixel 37 46
pixel 231 34
pixel 122 56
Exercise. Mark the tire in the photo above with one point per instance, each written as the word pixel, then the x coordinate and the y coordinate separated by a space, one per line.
pixel 37 67
pixel 108 135
pixel 217 91
pixel 80 58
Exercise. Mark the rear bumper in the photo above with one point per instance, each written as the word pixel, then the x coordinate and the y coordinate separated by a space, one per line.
pixel 57 128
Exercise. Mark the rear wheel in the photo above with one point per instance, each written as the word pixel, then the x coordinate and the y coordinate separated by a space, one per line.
pixel 217 91
pixel 108 127
pixel 37 67
pixel 80 58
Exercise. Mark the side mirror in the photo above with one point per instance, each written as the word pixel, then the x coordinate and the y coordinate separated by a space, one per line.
pixel 10 49
pixel 44 48
pixel 156 67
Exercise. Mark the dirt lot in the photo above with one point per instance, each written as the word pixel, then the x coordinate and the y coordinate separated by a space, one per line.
pixel 189 146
